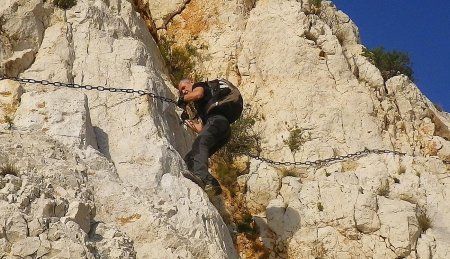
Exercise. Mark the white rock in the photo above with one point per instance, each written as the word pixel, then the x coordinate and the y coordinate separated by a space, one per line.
pixel 262 186
pixel 398 224
pixel 81 214
pixel 60 114
pixel 366 216
pixel 26 247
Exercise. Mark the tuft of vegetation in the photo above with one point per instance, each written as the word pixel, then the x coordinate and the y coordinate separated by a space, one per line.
pixel 244 137
pixel 401 170
pixel 180 60
pixel 9 121
pixel 288 171
pixel 8 168
pixel 246 224
pixel 424 220
pixel 65 4
pixel 316 3
pixel 390 63
pixel 396 180
pixel 227 174
pixel 320 206
pixel 318 250
pixel 296 139
pixel 383 189
pixel 327 174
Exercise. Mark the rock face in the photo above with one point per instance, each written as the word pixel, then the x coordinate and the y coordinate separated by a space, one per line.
pixel 98 173
pixel 301 66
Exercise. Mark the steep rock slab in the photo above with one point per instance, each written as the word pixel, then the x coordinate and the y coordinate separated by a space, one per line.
pixel 107 43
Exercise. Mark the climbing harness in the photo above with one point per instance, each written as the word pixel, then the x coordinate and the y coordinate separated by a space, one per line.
pixel 319 162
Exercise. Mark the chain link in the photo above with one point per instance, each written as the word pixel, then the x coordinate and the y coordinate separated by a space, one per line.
pixel 318 162
pixel 321 162
pixel 88 87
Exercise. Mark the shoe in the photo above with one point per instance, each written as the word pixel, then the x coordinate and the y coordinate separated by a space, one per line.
pixel 189 175
pixel 212 188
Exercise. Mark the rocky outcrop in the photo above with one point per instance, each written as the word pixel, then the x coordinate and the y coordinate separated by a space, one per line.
pixel 301 66
pixel 100 171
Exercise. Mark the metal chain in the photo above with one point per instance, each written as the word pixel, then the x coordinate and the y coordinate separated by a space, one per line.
pixel 318 162
pixel 88 87
pixel 321 162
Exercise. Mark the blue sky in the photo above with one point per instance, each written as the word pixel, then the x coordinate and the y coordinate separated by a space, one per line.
pixel 419 28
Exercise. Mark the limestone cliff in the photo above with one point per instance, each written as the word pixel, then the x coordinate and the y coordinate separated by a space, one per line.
pixel 302 67
pixel 99 172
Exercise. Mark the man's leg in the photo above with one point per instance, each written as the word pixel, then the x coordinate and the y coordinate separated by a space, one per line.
pixel 210 139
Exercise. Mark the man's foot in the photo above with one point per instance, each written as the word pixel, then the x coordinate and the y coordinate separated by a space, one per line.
pixel 212 187
pixel 189 175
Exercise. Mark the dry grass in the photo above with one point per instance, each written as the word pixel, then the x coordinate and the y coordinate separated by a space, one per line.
pixel 8 168
pixel 349 166
pixel 424 220
pixel 383 189
pixel 125 220
pixel 318 250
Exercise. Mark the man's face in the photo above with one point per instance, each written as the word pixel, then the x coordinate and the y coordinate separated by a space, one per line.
pixel 185 87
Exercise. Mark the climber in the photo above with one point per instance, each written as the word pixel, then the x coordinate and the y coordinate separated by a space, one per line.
pixel 218 103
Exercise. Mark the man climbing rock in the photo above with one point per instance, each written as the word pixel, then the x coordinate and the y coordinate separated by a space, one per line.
pixel 218 103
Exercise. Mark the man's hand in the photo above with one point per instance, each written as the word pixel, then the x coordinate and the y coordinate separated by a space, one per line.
pixel 195 125
pixel 181 103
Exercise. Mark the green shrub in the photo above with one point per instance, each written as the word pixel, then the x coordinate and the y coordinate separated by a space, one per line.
pixel 8 168
pixel 227 174
pixel 390 63
pixel 320 206
pixel 244 138
pixel 9 121
pixel 424 220
pixel 246 225
pixel 65 4
pixel 179 60
pixel 316 3
pixel 296 139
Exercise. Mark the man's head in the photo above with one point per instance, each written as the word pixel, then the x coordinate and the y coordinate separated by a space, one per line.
pixel 185 86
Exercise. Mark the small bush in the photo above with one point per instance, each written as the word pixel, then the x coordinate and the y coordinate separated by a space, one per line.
pixel 320 206
pixel 424 220
pixel 244 138
pixel 179 60
pixel 227 174
pixel 316 3
pixel 9 121
pixel 296 139
pixel 390 63
pixel 246 224
pixel 383 189
pixel 65 4
pixel 8 168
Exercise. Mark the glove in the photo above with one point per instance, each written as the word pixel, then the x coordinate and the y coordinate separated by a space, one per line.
pixel 181 103
pixel 184 116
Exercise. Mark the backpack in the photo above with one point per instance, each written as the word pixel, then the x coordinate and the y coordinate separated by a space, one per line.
pixel 226 99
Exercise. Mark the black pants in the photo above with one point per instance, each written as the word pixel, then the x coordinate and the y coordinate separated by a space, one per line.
pixel 215 134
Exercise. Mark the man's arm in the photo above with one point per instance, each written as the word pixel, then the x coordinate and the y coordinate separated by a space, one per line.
pixel 195 95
